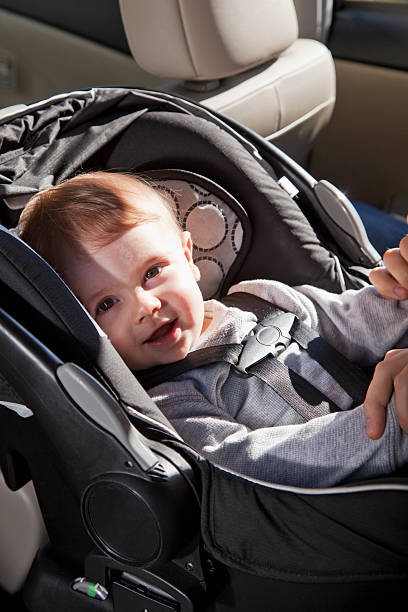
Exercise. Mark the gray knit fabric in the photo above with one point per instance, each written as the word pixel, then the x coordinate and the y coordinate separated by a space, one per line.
pixel 243 425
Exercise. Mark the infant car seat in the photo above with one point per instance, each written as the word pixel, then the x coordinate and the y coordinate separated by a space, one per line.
pixel 135 519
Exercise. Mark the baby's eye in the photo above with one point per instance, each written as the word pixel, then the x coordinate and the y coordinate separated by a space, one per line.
pixel 106 304
pixel 153 272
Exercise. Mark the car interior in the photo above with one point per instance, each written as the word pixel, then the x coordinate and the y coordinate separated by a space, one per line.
pixel 50 48
pixel 317 79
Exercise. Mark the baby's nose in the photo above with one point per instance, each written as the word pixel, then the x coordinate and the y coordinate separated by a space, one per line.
pixel 146 303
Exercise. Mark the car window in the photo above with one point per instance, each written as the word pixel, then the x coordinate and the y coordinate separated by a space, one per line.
pixel 382 1
pixel 97 20
pixel 371 32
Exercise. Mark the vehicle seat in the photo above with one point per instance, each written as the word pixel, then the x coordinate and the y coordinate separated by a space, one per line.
pixel 22 533
pixel 240 58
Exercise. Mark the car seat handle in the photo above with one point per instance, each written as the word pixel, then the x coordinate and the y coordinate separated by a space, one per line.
pixel 99 405
pixel 132 499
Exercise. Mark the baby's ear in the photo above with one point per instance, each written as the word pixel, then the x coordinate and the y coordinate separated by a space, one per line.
pixel 187 245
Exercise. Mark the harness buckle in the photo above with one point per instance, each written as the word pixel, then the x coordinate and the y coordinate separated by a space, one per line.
pixel 268 338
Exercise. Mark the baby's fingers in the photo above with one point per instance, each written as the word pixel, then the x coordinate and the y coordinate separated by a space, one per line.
pixel 403 245
pixel 397 264
pixel 401 398
pixel 387 285
pixel 376 400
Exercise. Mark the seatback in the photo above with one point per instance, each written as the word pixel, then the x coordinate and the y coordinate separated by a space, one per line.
pixel 240 58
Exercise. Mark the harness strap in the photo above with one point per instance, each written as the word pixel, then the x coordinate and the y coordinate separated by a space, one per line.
pixel 196 359
pixel 308 401
pixel 275 331
pixel 291 387
pixel 348 375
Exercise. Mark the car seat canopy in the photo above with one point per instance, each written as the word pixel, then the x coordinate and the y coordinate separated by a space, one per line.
pixel 129 130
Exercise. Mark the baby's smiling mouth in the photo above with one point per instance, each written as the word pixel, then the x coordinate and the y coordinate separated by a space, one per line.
pixel 161 332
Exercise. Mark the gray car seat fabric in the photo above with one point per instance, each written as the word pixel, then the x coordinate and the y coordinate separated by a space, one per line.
pixel 240 58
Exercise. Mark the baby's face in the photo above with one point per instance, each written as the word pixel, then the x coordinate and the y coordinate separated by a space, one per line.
pixel 142 290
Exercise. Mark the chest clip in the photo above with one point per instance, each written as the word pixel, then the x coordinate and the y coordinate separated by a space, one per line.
pixel 268 338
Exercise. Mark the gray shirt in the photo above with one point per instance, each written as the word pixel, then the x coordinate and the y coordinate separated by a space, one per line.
pixel 243 425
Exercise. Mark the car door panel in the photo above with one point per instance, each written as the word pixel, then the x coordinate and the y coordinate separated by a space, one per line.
pixel 363 150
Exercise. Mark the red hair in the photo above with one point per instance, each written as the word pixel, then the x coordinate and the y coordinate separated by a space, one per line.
pixel 90 208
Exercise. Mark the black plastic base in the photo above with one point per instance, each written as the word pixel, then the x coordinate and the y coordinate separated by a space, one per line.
pixel 48 588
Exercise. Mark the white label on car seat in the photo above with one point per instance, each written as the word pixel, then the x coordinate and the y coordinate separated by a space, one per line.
pixel 20 409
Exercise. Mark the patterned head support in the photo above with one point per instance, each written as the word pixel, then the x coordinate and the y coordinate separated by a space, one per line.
pixel 213 219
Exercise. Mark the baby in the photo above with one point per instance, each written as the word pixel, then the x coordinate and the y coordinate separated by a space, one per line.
pixel 116 243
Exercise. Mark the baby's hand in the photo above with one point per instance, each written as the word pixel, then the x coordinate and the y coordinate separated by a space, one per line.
pixel 392 281
pixel 391 375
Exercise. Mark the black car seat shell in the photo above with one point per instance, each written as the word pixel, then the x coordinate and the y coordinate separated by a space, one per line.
pixel 95 440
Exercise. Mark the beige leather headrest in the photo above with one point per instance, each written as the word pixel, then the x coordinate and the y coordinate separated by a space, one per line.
pixel 207 39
